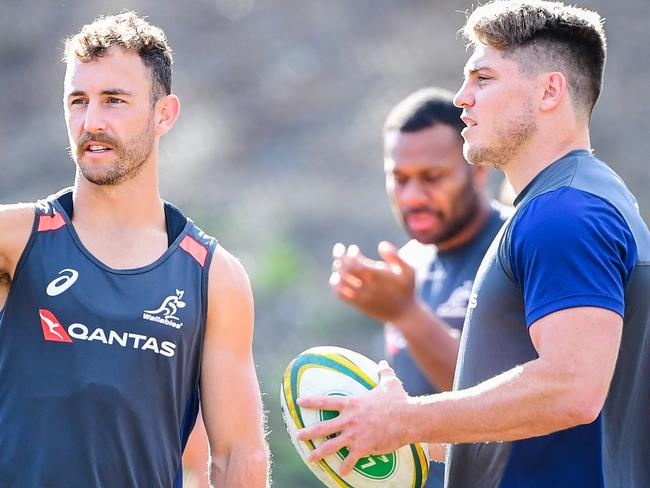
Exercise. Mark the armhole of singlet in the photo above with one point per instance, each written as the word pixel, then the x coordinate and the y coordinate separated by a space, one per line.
pixel 205 280
pixel 23 256
pixel 205 283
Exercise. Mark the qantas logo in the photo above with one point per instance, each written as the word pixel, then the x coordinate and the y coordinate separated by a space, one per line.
pixel 52 328
pixel 166 313
pixel 62 283
pixel 54 331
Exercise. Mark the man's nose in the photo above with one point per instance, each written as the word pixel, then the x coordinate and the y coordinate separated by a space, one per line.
pixel 94 120
pixel 464 97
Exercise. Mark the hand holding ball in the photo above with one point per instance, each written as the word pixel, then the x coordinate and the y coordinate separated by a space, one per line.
pixel 329 370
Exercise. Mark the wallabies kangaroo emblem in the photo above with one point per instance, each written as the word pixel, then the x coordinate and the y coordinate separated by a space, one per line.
pixel 170 306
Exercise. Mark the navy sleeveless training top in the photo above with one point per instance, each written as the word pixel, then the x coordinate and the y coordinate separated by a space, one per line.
pixel 99 368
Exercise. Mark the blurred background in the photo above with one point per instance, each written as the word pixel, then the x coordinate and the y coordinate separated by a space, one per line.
pixel 278 149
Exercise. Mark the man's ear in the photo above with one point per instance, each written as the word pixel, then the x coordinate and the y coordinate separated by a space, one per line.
pixel 555 91
pixel 167 111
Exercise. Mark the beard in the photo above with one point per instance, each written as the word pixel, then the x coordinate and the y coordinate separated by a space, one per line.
pixel 465 208
pixel 509 136
pixel 130 156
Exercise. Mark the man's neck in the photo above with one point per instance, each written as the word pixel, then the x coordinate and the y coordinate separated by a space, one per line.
pixel 132 204
pixel 540 154
pixel 471 230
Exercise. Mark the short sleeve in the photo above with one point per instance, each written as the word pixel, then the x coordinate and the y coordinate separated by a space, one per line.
pixel 570 249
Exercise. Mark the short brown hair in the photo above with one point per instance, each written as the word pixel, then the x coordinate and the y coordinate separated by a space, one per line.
pixel 546 35
pixel 132 33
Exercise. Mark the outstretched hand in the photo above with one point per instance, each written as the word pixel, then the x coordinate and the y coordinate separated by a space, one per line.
pixel 384 290
pixel 375 422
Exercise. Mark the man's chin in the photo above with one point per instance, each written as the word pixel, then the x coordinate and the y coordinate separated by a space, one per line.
pixel 482 156
pixel 101 177
pixel 423 237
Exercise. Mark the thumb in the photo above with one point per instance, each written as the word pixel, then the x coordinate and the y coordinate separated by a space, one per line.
pixel 388 380
pixel 389 253
pixel 385 371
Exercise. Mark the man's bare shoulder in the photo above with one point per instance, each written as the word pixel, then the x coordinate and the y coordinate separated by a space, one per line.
pixel 16 223
pixel 230 304
pixel 229 289
pixel 15 212
pixel 226 271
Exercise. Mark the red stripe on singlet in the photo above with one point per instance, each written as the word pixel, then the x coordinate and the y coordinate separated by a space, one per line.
pixel 50 222
pixel 195 249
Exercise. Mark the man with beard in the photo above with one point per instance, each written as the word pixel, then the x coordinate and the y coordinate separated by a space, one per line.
pixel 552 386
pixel 119 308
pixel 422 292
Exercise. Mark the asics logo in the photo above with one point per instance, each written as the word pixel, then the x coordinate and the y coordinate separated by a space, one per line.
pixel 62 283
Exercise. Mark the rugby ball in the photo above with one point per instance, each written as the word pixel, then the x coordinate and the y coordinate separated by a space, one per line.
pixel 329 370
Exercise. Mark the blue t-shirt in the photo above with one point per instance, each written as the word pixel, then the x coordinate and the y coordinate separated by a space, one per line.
pixel 576 240
pixel 571 249
pixel 568 249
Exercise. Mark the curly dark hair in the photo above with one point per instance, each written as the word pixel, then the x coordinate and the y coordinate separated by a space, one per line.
pixel 132 33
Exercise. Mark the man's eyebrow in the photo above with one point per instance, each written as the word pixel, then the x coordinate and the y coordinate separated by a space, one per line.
pixel 475 69
pixel 108 91
pixel 117 91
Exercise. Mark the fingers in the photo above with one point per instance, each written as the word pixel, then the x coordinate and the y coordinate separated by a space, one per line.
pixel 338 251
pixel 389 253
pixel 332 446
pixel 320 430
pixel 389 379
pixel 347 267
pixel 345 286
pixel 351 260
pixel 359 280
pixel 349 462
pixel 385 371
pixel 323 402
pixel 327 448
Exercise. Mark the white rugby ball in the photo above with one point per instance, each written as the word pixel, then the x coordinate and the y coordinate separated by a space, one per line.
pixel 329 370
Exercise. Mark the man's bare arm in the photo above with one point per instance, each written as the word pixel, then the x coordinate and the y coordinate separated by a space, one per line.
pixel 230 395
pixel 385 291
pixel 16 223
pixel 564 387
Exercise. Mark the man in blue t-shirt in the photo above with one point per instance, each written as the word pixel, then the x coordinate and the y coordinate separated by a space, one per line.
pixel 422 291
pixel 556 340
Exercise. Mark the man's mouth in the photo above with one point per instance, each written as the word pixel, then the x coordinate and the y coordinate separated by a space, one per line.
pixel 422 220
pixel 469 122
pixel 97 148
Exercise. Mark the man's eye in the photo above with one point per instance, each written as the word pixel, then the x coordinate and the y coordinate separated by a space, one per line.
pixel 78 101
pixel 114 100
pixel 431 178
